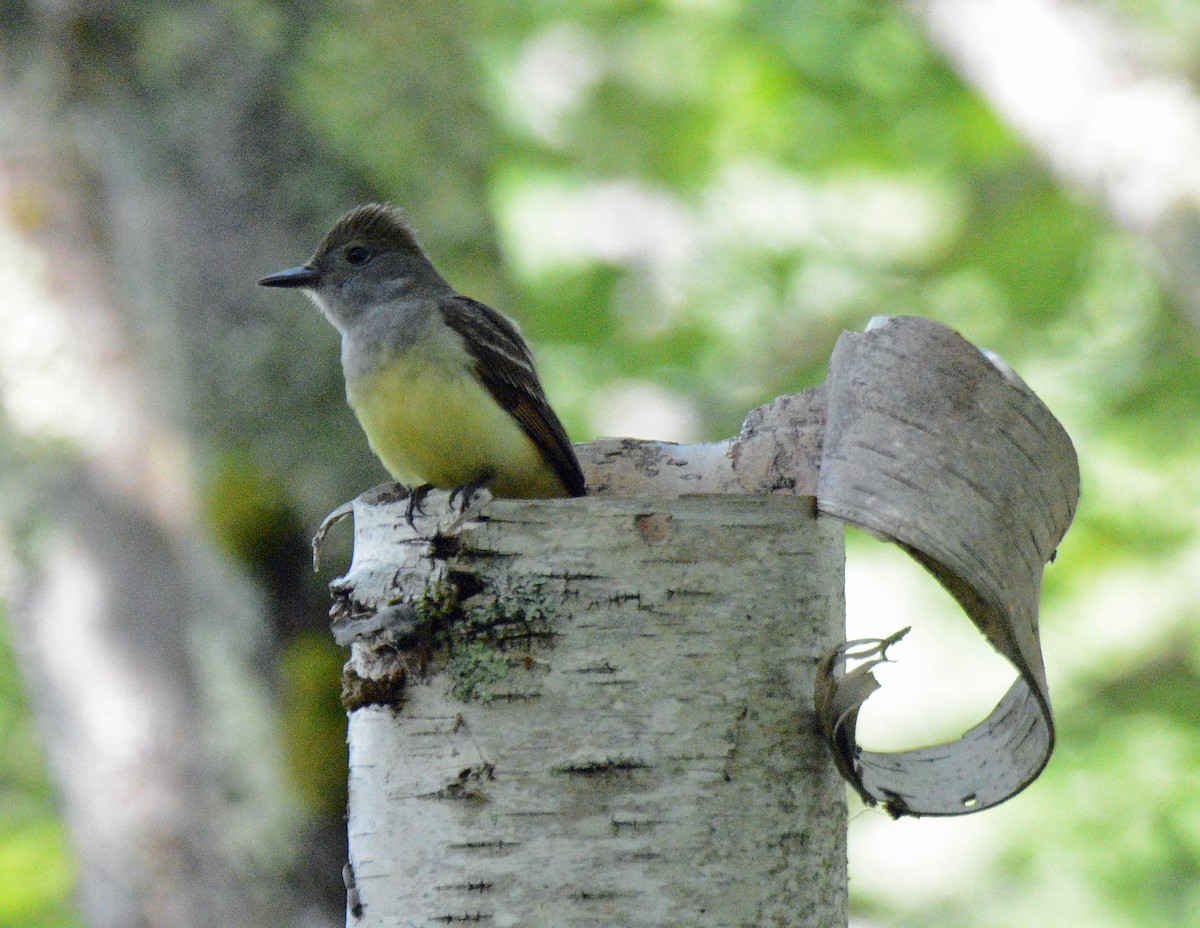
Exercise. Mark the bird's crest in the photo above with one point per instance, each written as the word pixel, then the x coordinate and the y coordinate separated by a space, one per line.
pixel 378 224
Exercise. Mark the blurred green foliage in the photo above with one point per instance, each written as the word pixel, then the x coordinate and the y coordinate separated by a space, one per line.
pixel 310 673
pixel 701 194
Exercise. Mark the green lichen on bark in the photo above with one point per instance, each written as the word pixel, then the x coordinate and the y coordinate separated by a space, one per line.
pixel 513 615
pixel 475 667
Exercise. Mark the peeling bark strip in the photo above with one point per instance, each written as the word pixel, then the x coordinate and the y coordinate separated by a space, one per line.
pixel 635 744
pixel 929 445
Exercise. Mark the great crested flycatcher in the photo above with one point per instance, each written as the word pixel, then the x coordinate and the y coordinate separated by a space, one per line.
pixel 444 386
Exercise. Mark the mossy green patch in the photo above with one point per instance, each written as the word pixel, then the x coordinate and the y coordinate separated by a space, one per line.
pixel 475 667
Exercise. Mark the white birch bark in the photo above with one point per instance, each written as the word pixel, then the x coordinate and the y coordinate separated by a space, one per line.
pixel 639 746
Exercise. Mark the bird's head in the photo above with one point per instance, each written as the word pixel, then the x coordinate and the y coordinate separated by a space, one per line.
pixel 369 257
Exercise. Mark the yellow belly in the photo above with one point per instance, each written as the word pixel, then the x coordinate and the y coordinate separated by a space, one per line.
pixel 427 426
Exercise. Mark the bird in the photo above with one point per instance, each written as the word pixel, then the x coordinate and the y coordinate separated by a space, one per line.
pixel 444 386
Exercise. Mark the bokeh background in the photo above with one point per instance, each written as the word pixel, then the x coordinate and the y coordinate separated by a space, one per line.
pixel 683 202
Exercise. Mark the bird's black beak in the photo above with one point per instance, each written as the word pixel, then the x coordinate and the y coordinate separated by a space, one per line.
pixel 303 276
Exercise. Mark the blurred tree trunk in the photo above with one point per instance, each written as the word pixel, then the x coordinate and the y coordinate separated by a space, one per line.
pixel 151 177
pixel 132 637
pixel 1081 85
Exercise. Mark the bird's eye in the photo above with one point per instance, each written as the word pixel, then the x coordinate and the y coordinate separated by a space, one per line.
pixel 357 255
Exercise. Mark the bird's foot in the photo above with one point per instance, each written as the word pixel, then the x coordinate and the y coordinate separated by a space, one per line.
pixel 416 496
pixel 466 492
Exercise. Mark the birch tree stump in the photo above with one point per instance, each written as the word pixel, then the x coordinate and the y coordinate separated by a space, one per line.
pixel 599 713
pixel 627 709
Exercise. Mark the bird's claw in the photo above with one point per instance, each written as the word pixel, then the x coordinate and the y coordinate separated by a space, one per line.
pixel 466 492
pixel 413 508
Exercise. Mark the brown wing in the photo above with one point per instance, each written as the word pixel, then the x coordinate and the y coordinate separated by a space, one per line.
pixel 504 365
